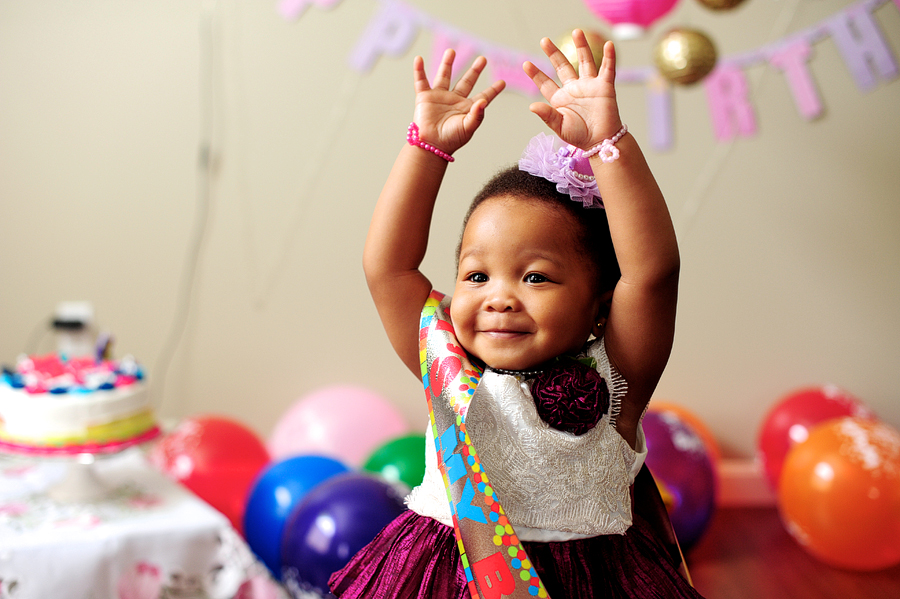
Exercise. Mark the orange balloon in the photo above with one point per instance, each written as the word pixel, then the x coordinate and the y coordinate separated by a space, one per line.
pixel 839 493
pixel 693 421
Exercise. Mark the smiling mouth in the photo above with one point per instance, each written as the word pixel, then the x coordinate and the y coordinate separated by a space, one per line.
pixel 503 333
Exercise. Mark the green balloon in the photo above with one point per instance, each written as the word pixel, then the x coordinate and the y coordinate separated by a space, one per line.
pixel 399 460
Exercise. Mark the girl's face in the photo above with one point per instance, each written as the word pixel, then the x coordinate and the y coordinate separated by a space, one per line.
pixel 524 292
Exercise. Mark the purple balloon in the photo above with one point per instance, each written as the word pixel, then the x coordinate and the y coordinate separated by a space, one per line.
pixel 331 523
pixel 682 467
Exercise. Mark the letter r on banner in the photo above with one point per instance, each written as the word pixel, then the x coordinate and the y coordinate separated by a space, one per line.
pixel 390 32
pixel 493 577
pixel 729 105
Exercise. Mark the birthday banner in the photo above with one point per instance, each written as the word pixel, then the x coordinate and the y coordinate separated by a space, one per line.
pixel 395 25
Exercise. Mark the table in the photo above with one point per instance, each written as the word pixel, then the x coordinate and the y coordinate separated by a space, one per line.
pixel 145 538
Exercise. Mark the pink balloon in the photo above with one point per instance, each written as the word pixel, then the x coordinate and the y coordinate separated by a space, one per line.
pixel 789 421
pixel 343 421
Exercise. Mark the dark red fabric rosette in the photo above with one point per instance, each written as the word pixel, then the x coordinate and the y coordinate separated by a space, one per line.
pixel 570 396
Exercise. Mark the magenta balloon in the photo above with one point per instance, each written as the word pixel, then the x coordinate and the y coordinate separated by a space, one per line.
pixel 343 421
pixel 632 12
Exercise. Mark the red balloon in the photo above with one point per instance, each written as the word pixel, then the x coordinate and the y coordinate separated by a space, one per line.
pixel 839 494
pixel 792 417
pixel 217 458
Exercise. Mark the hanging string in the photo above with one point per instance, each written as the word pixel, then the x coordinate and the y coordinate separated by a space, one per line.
pixel 712 168
pixel 314 171
pixel 204 200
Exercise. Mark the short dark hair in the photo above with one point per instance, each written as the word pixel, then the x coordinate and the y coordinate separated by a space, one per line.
pixel 593 228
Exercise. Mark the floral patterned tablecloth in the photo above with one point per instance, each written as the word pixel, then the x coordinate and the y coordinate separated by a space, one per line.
pixel 146 538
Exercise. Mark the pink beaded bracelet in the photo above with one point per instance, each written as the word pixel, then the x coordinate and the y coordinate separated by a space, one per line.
pixel 607 148
pixel 412 137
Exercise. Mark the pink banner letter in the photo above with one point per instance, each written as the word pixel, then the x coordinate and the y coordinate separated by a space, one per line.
pixel 727 92
pixel 791 60
pixel 294 9
pixel 466 51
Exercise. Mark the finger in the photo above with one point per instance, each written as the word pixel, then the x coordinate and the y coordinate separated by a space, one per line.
pixel 608 66
pixel 586 66
pixel 467 82
pixel 545 84
pixel 420 80
pixel 549 115
pixel 490 93
pixel 564 69
pixel 475 115
pixel 445 70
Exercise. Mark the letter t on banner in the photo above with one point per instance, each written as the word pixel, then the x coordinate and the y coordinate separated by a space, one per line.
pixel 727 92
pixel 791 60
pixel 390 32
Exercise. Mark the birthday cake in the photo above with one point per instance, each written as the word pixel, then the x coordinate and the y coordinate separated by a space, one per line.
pixel 50 405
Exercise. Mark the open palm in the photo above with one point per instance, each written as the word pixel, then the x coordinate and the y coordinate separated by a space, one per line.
pixel 582 108
pixel 447 118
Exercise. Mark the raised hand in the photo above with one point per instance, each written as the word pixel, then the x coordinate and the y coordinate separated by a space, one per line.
pixel 447 118
pixel 582 110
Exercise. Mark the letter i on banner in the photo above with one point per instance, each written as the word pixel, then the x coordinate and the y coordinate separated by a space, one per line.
pixel 659 109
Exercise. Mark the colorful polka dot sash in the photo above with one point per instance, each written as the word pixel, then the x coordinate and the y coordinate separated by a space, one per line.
pixel 494 561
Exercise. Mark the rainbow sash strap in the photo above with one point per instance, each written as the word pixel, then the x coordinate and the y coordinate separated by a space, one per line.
pixel 494 561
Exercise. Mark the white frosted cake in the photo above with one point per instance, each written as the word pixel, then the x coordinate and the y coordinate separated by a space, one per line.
pixel 50 405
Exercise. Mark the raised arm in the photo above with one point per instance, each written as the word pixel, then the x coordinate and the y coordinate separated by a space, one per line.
pixel 398 234
pixel 583 112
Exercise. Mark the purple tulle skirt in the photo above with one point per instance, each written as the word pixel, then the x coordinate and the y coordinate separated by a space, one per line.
pixel 415 557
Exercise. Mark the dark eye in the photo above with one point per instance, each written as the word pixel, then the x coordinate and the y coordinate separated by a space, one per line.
pixel 534 277
pixel 477 277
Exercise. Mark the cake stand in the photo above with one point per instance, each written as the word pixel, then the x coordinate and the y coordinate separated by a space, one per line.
pixel 81 483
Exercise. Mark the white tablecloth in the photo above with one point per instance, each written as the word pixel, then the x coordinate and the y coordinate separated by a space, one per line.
pixel 147 538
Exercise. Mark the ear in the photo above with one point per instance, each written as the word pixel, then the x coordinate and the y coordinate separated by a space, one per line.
pixel 602 313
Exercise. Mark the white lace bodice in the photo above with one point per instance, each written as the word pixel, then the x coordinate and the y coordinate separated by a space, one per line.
pixel 553 485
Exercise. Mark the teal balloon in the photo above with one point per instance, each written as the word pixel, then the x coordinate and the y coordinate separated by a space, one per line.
pixel 399 460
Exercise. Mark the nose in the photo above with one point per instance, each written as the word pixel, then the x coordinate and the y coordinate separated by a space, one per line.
pixel 502 298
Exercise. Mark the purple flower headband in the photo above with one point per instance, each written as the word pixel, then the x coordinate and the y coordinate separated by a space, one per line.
pixel 549 157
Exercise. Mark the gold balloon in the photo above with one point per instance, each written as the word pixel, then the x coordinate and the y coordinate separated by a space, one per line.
pixel 720 4
pixel 566 45
pixel 685 56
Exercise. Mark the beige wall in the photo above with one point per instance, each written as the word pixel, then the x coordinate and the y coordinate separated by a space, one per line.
pixel 790 239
